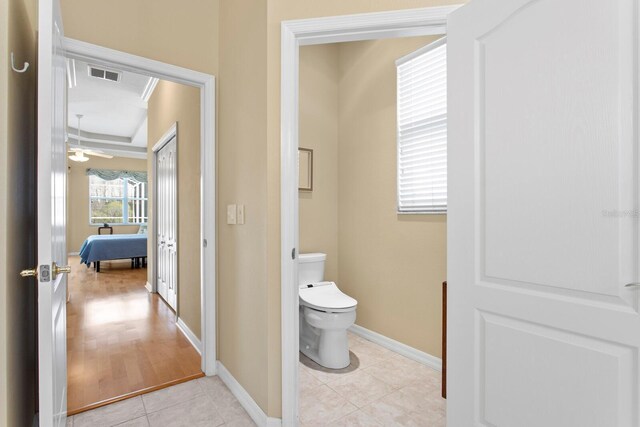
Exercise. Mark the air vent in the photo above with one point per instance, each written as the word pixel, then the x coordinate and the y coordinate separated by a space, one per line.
pixel 101 73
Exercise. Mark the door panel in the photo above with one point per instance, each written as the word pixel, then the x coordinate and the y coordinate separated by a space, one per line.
pixel 543 220
pixel 52 176
pixel 517 353
pixel 514 144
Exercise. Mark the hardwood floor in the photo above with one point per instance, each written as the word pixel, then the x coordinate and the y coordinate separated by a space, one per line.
pixel 121 340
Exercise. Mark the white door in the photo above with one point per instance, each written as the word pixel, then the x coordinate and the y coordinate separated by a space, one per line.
pixel 543 214
pixel 166 191
pixel 52 250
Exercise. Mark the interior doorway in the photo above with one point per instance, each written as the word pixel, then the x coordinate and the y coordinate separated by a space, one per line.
pixel 372 231
pixel 417 22
pixel 125 335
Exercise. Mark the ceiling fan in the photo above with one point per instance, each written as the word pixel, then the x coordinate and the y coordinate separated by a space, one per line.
pixel 79 154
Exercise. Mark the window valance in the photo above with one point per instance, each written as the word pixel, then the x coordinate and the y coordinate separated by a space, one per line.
pixel 110 175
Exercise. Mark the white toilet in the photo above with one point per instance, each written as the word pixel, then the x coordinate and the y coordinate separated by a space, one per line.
pixel 325 314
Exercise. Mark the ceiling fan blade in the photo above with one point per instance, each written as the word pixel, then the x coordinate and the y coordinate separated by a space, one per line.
pixel 96 154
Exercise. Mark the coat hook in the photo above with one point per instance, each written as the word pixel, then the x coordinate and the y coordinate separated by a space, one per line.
pixel 13 65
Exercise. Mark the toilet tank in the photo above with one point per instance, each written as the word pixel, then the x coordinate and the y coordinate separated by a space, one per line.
pixel 311 268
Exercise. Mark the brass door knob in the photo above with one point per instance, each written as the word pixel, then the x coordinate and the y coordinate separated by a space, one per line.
pixel 60 269
pixel 32 272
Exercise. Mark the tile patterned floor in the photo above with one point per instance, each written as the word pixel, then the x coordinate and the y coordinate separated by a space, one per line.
pixel 198 403
pixel 380 388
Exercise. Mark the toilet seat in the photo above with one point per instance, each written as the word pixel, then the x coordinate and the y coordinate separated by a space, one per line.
pixel 325 296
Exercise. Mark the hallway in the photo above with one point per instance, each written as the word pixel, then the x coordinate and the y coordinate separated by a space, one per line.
pixel 121 340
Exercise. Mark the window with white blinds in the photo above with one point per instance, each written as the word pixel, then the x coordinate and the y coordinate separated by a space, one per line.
pixel 422 130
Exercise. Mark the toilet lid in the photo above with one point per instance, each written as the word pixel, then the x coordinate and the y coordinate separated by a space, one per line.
pixel 325 296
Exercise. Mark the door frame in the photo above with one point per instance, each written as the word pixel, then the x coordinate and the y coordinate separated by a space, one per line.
pixel 306 32
pixel 206 83
pixel 172 132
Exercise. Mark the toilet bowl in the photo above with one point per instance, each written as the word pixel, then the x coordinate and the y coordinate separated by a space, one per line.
pixel 325 315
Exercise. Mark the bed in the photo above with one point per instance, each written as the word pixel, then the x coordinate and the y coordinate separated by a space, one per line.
pixel 114 246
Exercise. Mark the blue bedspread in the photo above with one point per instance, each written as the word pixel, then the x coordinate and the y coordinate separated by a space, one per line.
pixel 113 246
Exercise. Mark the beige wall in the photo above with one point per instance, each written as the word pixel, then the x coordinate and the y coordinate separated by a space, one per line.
pixel 242 169
pixel 183 33
pixel 176 103
pixel 392 264
pixel 78 228
pixel 319 131
pixel 18 361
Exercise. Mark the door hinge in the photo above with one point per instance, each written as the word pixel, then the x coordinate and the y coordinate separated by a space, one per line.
pixel 293 253
pixel 204 243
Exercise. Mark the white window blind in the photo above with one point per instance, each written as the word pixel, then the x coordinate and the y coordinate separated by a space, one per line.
pixel 422 130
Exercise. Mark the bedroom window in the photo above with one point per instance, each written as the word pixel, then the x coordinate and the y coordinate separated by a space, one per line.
pixel 121 201
pixel 422 130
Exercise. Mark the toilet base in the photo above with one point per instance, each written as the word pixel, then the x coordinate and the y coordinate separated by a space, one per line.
pixel 326 347
pixel 339 360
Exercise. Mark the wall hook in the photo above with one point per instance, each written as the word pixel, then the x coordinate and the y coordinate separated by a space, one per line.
pixel 13 65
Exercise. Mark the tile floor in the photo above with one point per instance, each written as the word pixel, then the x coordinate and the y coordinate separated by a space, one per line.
pixel 202 402
pixel 379 388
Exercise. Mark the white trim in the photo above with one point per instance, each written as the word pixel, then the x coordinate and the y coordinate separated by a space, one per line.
pixel 188 333
pixel 253 409
pixel 398 347
pixel 170 133
pixel 369 26
pixel 206 83
pixel 73 253
pixel 149 287
pixel 149 88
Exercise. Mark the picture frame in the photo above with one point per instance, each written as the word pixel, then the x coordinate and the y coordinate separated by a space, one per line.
pixel 305 169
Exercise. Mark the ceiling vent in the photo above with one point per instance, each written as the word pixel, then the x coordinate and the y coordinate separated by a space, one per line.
pixel 101 73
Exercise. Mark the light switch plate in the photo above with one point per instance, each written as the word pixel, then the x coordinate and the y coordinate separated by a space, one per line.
pixel 231 214
pixel 240 214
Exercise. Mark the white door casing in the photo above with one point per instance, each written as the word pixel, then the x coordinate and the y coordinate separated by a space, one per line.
pixel 305 32
pixel 167 221
pixel 52 178
pixel 206 84
pixel 543 229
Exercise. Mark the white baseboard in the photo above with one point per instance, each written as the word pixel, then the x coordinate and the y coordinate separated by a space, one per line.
pixel 74 253
pixel 255 412
pixel 398 347
pixel 195 342
pixel 149 287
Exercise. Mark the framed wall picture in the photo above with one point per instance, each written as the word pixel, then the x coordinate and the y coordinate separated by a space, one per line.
pixel 305 169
